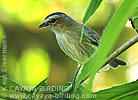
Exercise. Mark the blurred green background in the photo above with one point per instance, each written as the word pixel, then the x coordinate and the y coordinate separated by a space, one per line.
pixel 33 54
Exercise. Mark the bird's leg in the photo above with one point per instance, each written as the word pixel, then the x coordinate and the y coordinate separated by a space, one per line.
pixel 74 79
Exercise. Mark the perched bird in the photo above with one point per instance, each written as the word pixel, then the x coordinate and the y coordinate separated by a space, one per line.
pixel 68 33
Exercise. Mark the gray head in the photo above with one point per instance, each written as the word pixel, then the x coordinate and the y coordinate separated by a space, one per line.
pixel 55 20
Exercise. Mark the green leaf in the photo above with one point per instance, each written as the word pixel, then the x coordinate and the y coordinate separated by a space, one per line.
pixel 134 18
pixel 130 97
pixel 80 89
pixel 94 4
pixel 58 90
pixel 82 33
pixel 136 23
pixel 124 92
pixel 135 14
pixel 107 42
pixel 11 85
pixel 39 86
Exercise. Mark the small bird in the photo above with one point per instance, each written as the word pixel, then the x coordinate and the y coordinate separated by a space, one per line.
pixel 68 33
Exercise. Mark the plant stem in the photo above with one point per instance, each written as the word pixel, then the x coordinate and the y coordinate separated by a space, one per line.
pixel 120 50
pixel 123 48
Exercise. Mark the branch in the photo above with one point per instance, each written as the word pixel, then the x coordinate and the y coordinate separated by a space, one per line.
pixel 123 48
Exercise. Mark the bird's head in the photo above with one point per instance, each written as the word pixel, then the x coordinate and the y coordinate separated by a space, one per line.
pixel 57 20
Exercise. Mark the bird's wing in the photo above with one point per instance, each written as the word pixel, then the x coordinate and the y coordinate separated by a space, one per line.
pixel 92 35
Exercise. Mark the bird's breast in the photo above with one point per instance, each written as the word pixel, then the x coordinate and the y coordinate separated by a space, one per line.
pixel 72 47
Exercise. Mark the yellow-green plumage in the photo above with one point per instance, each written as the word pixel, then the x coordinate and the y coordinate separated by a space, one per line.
pixel 71 45
pixel 68 34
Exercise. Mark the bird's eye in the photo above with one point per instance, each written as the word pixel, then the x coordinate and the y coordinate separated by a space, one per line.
pixel 53 20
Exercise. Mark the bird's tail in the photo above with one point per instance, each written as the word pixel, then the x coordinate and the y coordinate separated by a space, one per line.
pixel 116 62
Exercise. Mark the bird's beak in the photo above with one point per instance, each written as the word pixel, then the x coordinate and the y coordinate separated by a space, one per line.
pixel 42 25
